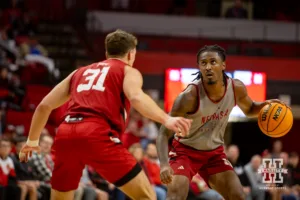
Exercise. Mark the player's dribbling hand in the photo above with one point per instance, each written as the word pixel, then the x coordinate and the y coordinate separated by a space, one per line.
pixel 277 101
pixel 166 174
pixel 179 125
pixel 26 152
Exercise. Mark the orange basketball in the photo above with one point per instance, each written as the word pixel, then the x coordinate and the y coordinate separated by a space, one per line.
pixel 275 120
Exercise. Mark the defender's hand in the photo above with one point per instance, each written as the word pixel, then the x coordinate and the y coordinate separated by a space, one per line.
pixel 166 174
pixel 179 125
pixel 26 152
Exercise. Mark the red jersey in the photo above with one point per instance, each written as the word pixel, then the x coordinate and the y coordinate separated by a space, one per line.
pixel 97 92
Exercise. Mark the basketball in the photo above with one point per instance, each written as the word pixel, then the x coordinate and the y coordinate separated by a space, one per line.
pixel 275 120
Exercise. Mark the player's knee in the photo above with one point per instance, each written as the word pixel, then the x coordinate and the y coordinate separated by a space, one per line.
pixel 177 193
pixel 237 195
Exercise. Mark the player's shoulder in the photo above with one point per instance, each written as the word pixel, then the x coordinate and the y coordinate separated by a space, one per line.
pixel 237 82
pixel 239 87
pixel 190 93
pixel 131 70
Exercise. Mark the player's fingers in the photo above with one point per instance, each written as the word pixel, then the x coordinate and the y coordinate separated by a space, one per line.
pixel 184 127
pixel 169 177
pixel 163 178
pixel 26 157
pixel 166 179
pixel 38 149
pixel 21 156
pixel 185 121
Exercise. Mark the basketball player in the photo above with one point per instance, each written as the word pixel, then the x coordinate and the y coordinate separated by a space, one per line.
pixel 208 101
pixel 100 95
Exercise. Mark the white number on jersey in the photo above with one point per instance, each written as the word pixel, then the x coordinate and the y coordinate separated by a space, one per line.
pixel 91 75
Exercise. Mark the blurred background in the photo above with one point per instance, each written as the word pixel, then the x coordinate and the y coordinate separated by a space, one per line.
pixel 41 42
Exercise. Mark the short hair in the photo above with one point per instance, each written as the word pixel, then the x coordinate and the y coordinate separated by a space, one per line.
pixel 20 139
pixel 212 48
pixel 119 42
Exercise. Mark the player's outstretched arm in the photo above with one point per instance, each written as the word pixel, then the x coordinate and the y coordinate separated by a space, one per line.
pixel 246 104
pixel 132 87
pixel 57 97
pixel 186 102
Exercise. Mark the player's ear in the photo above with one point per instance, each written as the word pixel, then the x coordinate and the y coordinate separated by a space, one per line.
pixel 223 65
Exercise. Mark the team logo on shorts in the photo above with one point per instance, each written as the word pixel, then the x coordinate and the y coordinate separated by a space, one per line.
pixel 272 170
pixel 226 162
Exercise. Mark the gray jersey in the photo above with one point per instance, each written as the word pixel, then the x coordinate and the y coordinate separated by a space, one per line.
pixel 210 120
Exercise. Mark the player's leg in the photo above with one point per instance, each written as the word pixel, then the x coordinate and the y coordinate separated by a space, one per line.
pixel 178 189
pixel 68 166
pixel 183 173
pixel 228 185
pixel 115 164
pixel 57 195
pixel 143 189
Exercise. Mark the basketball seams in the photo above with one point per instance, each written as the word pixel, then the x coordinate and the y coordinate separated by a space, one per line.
pixel 260 124
pixel 283 132
pixel 270 116
pixel 281 119
pixel 279 124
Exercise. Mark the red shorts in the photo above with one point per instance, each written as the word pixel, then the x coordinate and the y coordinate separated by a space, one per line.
pixel 85 143
pixel 188 161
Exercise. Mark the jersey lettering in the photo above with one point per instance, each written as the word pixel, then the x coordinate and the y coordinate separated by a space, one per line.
pixel 91 75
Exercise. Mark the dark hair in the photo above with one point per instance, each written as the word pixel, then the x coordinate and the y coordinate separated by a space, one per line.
pixel 20 139
pixel 212 48
pixel 119 42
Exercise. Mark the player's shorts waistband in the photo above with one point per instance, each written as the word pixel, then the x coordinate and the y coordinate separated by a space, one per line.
pixel 70 119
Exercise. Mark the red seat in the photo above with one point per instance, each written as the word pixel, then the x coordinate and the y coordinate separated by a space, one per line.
pixel 35 93
pixel 3 92
pixel 19 118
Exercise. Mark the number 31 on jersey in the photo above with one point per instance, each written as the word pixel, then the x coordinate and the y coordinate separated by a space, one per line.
pixel 91 75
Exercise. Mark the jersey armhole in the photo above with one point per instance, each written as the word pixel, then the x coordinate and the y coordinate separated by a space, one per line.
pixel 233 88
pixel 198 98
pixel 71 80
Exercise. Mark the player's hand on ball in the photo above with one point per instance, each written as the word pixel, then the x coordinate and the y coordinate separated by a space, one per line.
pixel 26 152
pixel 166 174
pixel 179 125
pixel 276 101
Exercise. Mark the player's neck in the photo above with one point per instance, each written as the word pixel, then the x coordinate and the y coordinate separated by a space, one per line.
pixel 216 89
pixel 121 59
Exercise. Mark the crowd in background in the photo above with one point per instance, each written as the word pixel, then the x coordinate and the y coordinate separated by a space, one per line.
pixel 32 180
pixel 260 10
pixel 23 60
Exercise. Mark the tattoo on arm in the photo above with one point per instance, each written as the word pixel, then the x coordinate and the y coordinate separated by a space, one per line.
pixel 186 102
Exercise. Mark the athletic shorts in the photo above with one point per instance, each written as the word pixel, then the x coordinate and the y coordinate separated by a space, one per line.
pixel 85 143
pixel 188 161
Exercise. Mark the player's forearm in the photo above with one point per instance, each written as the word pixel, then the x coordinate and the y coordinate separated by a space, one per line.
pixel 148 108
pixel 162 144
pixel 255 108
pixel 39 120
